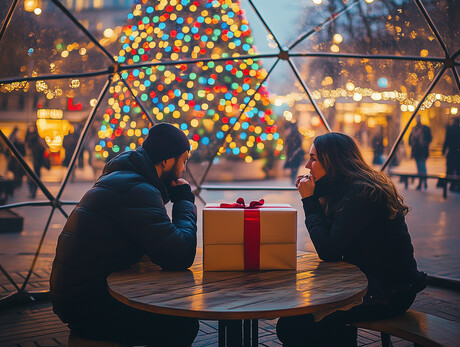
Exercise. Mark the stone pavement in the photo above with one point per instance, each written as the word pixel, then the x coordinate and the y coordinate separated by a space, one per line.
pixel 433 224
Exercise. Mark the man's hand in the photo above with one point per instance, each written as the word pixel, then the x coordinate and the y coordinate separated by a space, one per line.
pixel 179 182
pixel 180 190
pixel 305 185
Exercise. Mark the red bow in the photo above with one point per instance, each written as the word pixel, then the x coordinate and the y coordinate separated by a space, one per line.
pixel 240 204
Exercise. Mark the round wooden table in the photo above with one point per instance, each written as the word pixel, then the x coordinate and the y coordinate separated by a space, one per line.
pixel 315 287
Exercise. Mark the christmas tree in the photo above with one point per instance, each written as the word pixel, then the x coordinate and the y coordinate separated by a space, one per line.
pixel 205 98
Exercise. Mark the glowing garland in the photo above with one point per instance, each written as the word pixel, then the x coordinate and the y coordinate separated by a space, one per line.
pixel 329 96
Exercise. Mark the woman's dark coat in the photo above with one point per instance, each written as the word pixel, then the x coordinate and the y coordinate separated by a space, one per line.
pixel 361 233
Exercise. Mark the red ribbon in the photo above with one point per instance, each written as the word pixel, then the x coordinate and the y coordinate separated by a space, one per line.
pixel 251 239
pixel 240 204
pixel 251 232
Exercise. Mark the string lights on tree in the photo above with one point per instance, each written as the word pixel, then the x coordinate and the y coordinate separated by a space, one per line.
pixel 203 98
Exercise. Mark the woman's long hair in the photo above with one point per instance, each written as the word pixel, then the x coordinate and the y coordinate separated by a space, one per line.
pixel 343 162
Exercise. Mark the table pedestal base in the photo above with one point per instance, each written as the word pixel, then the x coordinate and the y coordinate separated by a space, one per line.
pixel 237 333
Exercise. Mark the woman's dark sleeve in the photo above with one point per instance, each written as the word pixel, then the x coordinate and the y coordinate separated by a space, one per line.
pixel 334 241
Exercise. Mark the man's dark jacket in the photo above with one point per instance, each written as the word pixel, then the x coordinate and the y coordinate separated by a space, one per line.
pixel 119 220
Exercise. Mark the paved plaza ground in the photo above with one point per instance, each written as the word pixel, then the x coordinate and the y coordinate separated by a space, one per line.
pixel 434 224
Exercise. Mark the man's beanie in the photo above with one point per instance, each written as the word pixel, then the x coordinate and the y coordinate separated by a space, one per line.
pixel 165 141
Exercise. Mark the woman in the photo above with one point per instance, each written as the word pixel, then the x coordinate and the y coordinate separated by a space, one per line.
pixel 354 213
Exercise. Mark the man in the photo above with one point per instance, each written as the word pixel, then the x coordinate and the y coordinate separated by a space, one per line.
pixel 118 221
pixel 420 139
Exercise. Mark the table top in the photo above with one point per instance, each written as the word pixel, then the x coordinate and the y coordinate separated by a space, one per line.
pixel 314 287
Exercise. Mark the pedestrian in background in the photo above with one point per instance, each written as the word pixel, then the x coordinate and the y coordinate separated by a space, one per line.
pixel 295 154
pixel 419 140
pixel 37 148
pixel 70 143
pixel 13 163
pixel 378 147
pixel 452 148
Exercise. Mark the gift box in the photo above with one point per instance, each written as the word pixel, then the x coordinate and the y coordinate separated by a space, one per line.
pixel 259 236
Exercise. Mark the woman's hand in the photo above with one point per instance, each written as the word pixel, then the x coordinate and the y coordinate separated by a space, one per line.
pixel 305 185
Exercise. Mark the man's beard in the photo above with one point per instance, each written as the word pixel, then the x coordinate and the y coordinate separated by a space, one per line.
pixel 171 175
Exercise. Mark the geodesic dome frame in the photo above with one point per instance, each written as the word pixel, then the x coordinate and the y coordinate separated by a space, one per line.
pixel 289 54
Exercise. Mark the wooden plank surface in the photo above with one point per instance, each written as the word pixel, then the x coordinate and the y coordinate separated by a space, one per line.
pixel 18 329
pixel 421 328
pixel 314 287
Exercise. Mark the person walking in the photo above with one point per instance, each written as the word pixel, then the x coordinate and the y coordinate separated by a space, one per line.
pixel 419 140
pixel 378 146
pixel 294 151
pixel 119 220
pixel 37 147
pixel 451 146
pixel 354 213
pixel 13 164
pixel 69 143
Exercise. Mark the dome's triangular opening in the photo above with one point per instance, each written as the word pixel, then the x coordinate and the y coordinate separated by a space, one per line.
pixel 43 50
pixel 376 28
